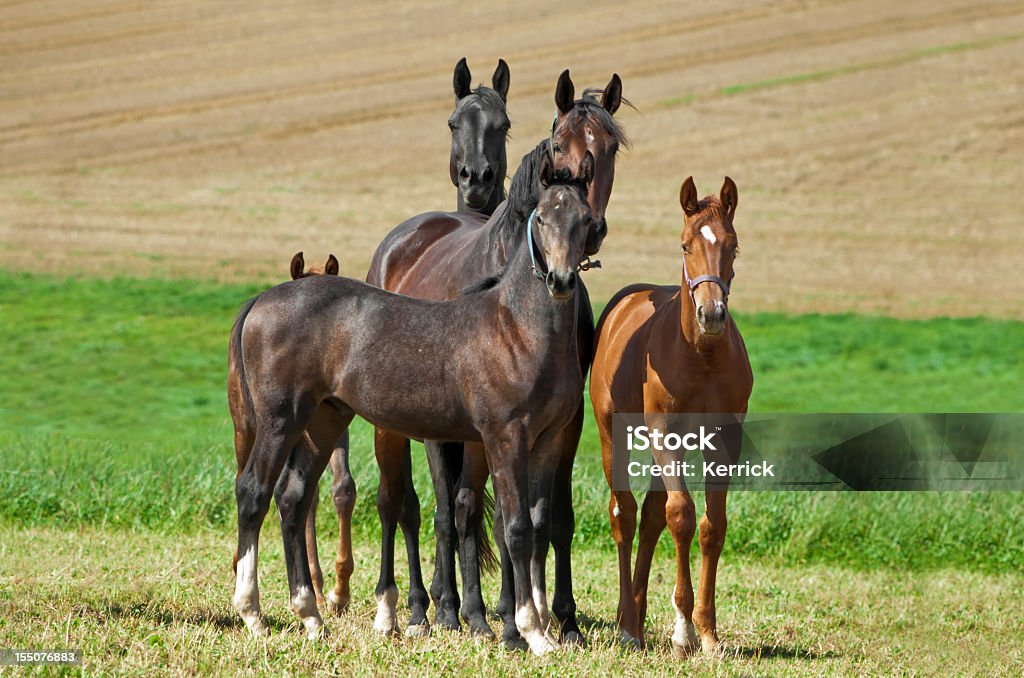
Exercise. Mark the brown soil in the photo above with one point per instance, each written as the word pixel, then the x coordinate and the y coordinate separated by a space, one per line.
pixel 877 145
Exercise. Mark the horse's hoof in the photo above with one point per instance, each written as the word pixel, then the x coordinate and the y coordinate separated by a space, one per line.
pixel 481 631
pixel 418 630
pixel 315 629
pixel 710 645
pixel 337 604
pixel 513 641
pixel 573 636
pixel 542 642
pixel 257 628
pixel 629 641
pixel 684 650
pixel 447 620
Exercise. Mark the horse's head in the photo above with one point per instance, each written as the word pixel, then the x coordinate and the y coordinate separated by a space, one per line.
pixel 479 126
pixel 561 224
pixel 709 246
pixel 586 125
pixel 298 267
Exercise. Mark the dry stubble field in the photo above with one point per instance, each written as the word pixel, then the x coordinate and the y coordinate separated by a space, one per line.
pixel 877 145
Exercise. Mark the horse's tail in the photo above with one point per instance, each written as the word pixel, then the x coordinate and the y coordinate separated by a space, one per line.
pixel 488 559
pixel 235 353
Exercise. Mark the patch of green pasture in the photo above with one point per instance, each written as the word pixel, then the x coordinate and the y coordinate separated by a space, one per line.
pixel 114 414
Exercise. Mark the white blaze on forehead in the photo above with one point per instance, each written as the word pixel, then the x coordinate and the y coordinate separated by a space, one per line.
pixel 590 136
pixel 708 234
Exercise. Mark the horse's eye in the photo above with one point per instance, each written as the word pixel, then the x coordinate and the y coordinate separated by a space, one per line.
pixel 451 125
pixel 684 248
pixel 556 148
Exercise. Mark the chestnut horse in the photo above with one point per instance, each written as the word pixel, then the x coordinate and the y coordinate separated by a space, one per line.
pixel 433 256
pixel 497 365
pixel 674 349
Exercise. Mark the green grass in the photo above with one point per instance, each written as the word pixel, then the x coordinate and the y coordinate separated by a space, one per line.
pixel 146 602
pixel 114 415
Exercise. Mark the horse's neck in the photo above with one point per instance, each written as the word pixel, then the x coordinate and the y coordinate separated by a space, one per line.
pixel 524 295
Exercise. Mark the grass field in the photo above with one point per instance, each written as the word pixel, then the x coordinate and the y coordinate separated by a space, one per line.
pixel 118 469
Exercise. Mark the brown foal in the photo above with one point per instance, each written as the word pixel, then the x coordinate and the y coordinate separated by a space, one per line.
pixel 236 404
pixel 664 350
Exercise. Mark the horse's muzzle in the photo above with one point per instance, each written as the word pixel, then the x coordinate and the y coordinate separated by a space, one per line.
pixel 711 317
pixel 561 286
pixel 595 237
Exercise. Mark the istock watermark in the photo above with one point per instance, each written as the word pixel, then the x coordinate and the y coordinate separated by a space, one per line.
pixel 35 657
pixel 861 452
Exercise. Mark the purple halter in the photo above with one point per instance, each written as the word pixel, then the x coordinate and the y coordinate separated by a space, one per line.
pixel 692 284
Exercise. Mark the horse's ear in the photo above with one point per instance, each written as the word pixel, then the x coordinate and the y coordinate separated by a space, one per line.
pixel 730 197
pixel 586 172
pixel 462 80
pixel 499 81
pixel 547 170
pixel 688 197
pixel 565 93
pixel 298 266
pixel 612 97
pixel 332 266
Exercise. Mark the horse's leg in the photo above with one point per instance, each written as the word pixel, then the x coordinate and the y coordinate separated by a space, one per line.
pixel 469 521
pixel 343 490
pixel 622 518
pixel 410 523
pixel 444 587
pixel 682 523
pixel 509 460
pixel 312 553
pixel 543 465
pixel 254 487
pixel 563 527
pixel 712 539
pixel 652 522
pixel 506 607
pixel 390 449
pixel 296 487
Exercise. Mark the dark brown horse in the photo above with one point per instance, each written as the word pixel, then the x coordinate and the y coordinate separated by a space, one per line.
pixel 434 256
pixel 674 349
pixel 497 365
pixel 243 420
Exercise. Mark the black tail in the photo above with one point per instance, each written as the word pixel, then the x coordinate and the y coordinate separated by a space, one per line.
pixel 488 560
pixel 235 351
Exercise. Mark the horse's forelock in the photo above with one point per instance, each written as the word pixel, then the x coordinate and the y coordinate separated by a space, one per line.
pixel 589 107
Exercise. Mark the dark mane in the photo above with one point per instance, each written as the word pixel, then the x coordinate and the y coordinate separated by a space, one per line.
pixel 590 106
pixel 523 193
pixel 481 286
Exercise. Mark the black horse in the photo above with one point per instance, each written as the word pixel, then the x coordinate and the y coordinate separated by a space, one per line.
pixel 498 365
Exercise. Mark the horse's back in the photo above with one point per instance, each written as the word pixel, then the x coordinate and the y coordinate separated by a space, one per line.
pixel 411 256
pixel 619 366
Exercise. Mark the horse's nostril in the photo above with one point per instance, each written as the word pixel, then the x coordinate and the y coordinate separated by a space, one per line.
pixel 464 173
pixel 488 175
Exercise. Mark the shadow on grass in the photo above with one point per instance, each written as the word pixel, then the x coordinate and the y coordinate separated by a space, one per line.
pixel 778 652
pixel 194 616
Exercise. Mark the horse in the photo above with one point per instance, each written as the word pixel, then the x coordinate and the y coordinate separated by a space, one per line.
pixel 242 416
pixel 674 349
pixel 479 128
pixel 496 365
pixel 433 256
